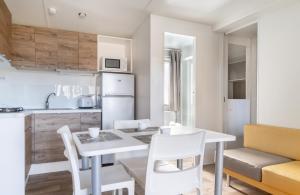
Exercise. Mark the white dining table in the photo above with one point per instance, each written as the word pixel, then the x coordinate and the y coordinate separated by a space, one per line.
pixel 129 143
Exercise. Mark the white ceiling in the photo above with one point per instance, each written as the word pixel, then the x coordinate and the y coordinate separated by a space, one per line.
pixel 122 17
pixel 109 17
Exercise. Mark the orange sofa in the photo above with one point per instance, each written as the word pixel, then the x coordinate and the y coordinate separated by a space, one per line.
pixel 270 159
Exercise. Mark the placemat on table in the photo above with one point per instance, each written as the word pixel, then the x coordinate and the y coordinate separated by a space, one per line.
pixel 103 137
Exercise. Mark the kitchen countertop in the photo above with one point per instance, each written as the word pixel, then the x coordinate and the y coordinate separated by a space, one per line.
pixel 27 112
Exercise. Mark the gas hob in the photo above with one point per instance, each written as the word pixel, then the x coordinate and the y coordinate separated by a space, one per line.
pixel 10 110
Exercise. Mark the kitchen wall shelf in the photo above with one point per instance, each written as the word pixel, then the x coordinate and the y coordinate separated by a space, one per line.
pixel 117 47
pixel 237 80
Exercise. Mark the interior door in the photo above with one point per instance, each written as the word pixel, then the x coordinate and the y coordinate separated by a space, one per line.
pixel 236 89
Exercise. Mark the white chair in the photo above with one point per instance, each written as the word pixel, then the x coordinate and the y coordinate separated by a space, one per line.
pixel 113 177
pixel 130 124
pixel 167 179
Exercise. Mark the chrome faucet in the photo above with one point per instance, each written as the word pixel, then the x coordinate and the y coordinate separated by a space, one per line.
pixel 47 100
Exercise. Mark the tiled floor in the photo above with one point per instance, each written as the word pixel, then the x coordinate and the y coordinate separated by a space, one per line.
pixel 60 183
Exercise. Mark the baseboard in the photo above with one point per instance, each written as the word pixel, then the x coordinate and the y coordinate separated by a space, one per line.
pixel 49 167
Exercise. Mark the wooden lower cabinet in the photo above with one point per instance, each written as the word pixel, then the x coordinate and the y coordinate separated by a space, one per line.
pixel 28 144
pixel 48 145
pixel 88 120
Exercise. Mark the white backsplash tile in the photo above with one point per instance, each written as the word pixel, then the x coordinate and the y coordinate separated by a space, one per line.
pixel 29 89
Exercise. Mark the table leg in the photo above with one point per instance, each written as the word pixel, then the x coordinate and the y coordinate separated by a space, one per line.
pixel 96 175
pixel 219 168
pixel 180 164
pixel 84 162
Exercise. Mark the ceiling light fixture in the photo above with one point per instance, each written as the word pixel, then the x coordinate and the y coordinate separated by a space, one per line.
pixel 82 14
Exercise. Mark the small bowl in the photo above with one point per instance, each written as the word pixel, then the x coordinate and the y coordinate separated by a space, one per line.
pixel 142 126
pixel 165 130
pixel 94 132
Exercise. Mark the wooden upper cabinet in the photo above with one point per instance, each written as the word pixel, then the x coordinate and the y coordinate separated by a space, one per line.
pixel 23 46
pixel 50 49
pixel 46 52
pixel 87 52
pixel 5 33
pixel 67 50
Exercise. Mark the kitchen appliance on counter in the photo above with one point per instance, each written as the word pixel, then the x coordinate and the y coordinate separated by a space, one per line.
pixel 10 110
pixel 86 101
pixel 115 94
pixel 114 64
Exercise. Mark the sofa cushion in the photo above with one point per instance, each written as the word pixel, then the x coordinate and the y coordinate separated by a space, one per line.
pixel 249 162
pixel 285 177
pixel 276 140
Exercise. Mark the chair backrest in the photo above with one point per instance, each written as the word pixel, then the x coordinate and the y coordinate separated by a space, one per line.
pixel 173 147
pixel 71 154
pixel 129 124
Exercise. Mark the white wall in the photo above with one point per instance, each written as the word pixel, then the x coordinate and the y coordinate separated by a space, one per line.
pixel 12 147
pixel 279 67
pixel 29 89
pixel 209 50
pixel 208 82
pixel 141 61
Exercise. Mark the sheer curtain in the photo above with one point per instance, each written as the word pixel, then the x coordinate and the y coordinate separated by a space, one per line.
pixel 175 82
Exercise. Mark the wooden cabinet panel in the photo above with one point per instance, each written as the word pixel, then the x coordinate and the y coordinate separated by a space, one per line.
pixel 46 44
pixel 28 144
pixel 5 34
pixel 88 120
pixel 67 50
pixel 87 51
pixel 48 145
pixel 23 46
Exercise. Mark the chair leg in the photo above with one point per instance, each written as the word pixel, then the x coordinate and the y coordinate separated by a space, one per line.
pixel 228 178
pixel 131 189
pixel 120 191
pixel 199 191
pixel 114 192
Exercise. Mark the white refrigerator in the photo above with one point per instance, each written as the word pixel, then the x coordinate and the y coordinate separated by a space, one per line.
pixel 115 92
